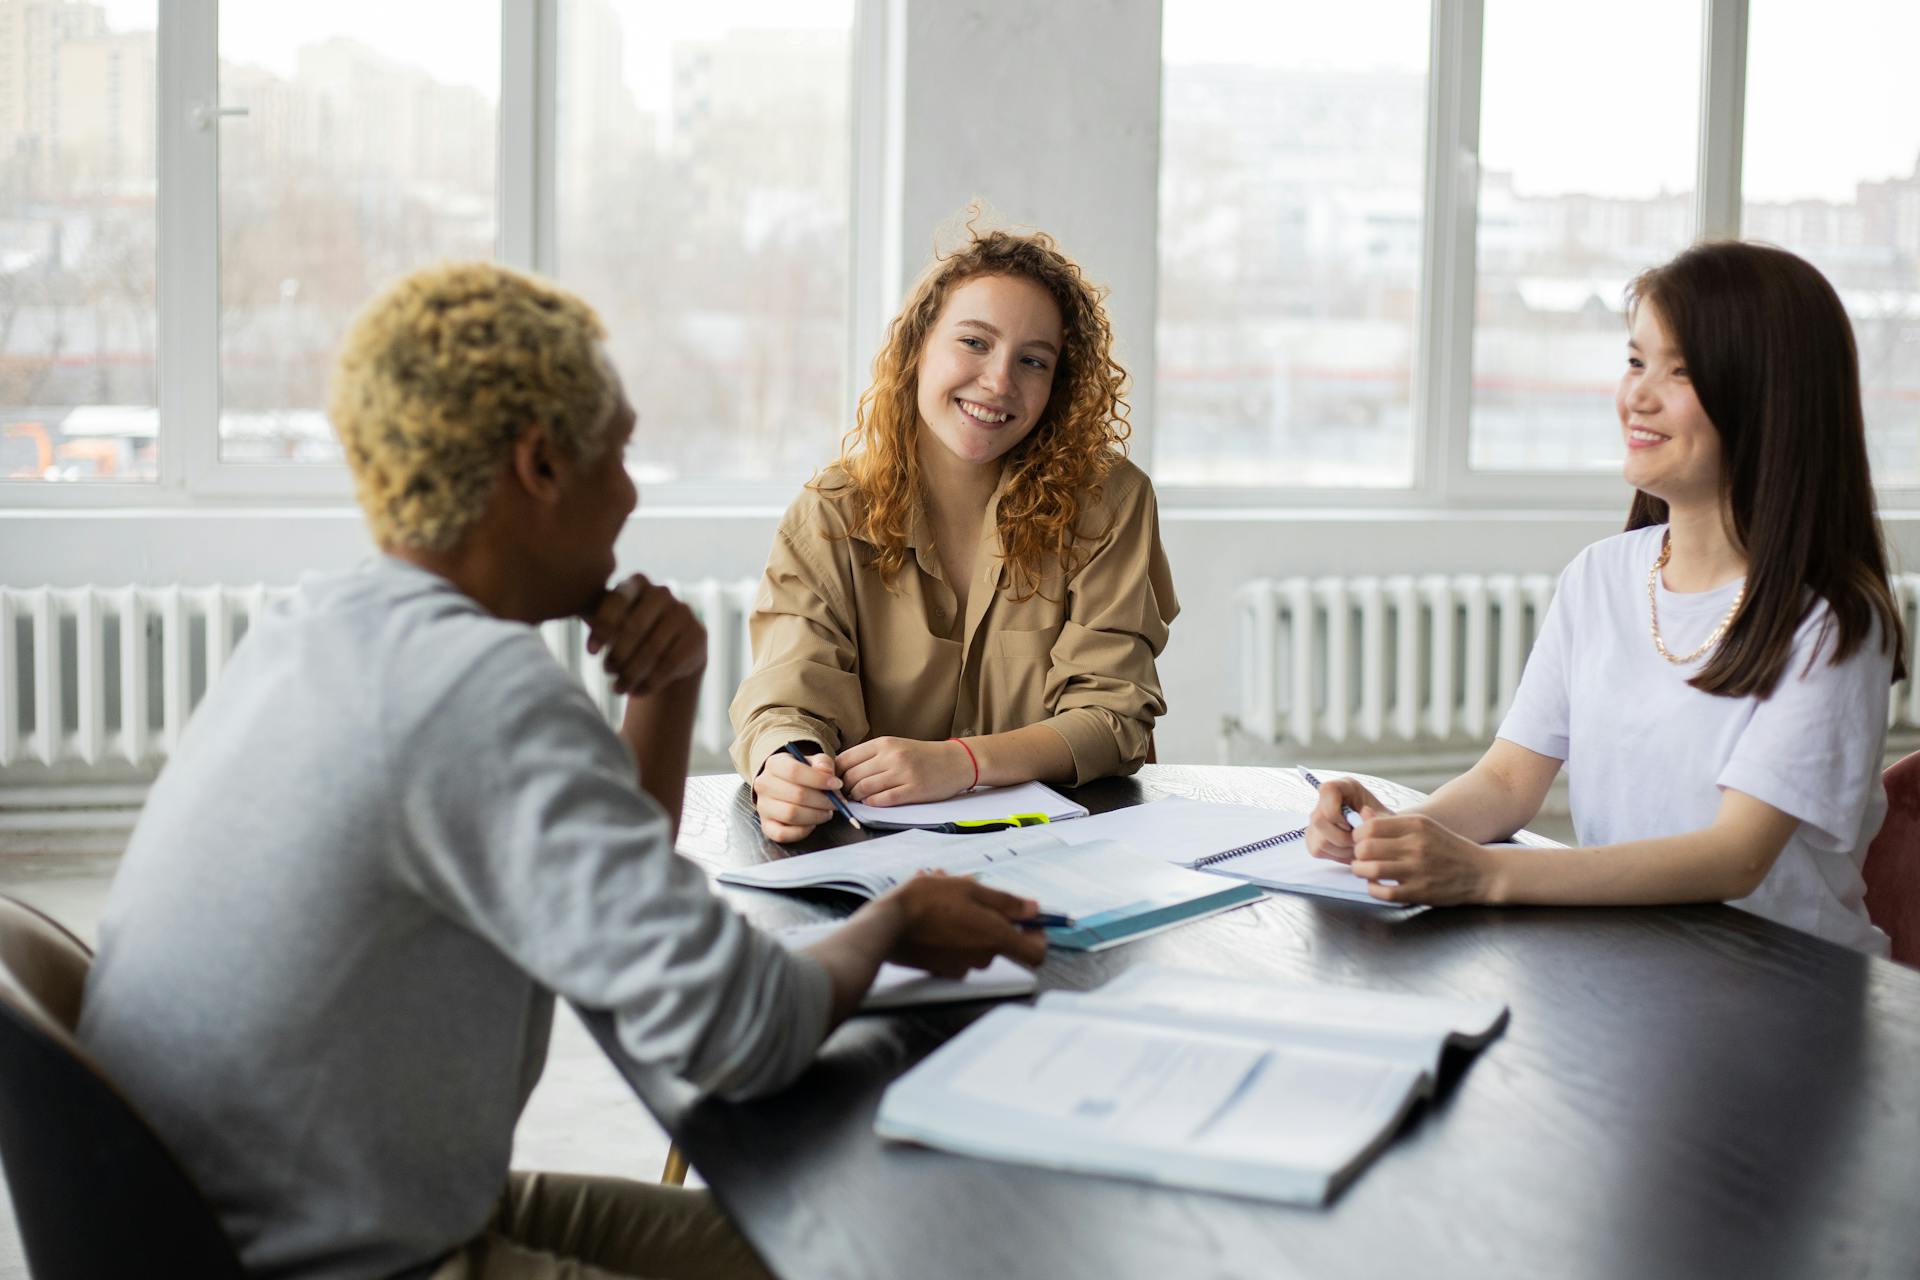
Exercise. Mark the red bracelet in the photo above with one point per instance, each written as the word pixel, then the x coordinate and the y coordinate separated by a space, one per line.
pixel 976 763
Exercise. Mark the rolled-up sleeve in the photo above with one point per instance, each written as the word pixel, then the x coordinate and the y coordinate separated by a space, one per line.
pixel 541 843
pixel 805 683
pixel 1102 685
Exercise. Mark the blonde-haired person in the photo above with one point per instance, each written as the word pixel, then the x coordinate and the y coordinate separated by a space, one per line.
pixel 396 829
pixel 975 594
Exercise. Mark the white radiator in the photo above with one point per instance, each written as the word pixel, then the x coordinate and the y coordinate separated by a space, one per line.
pixel 1412 661
pixel 99 675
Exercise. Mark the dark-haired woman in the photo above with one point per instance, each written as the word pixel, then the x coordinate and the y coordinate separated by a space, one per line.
pixel 1715 679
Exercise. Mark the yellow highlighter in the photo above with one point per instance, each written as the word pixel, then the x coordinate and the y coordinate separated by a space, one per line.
pixel 976 825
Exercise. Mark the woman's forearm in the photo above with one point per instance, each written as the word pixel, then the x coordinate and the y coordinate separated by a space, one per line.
pixel 1033 754
pixel 1718 863
pixel 1499 795
pixel 1694 867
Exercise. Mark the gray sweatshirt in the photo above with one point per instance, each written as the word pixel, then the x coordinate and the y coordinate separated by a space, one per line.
pixel 391 833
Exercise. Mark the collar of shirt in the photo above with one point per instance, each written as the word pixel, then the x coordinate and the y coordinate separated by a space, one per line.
pixel 920 535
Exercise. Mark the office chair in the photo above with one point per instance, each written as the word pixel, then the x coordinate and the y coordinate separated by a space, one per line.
pixel 1892 869
pixel 94 1190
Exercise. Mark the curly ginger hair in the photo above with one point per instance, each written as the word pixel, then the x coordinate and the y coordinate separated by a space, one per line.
pixel 1081 433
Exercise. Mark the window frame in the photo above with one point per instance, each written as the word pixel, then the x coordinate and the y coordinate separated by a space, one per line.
pixel 1443 479
pixel 191 472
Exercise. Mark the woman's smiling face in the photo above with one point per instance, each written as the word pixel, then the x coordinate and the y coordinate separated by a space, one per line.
pixel 986 370
pixel 1673 448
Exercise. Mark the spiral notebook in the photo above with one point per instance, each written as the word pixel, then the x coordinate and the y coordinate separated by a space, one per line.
pixel 1261 846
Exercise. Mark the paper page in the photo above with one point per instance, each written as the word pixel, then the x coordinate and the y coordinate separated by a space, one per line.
pixel 1133 1083
pixel 1325 1109
pixel 1409 1026
pixel 984 805
pixel 874 866
pixel 1105 886
pixel 898 986
pixel 1396 797
pixel 1113 892
pixel 1289 866
pixel 1184 831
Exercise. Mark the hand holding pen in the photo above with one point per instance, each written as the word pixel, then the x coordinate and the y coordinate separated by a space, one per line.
pixel 839 805
pixel 1337 814
pixel 793 794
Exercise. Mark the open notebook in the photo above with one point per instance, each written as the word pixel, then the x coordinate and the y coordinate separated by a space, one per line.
pixel 989 804
pixel 1244 842
pixel 1114 893
pixel 1272 1091
pixel 1261 846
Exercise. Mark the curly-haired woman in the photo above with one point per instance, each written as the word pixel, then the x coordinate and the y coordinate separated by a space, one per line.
pixel 975 593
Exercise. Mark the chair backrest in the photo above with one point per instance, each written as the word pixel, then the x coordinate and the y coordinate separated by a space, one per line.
pixel 1892 870
pixel 94 1191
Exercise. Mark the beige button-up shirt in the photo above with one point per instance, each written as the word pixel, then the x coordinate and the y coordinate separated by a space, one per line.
pixel 838 658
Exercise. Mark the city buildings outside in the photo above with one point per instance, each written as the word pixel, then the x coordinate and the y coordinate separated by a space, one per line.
pixel 703 193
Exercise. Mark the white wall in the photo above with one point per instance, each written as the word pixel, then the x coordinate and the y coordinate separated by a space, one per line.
pixel 1051 113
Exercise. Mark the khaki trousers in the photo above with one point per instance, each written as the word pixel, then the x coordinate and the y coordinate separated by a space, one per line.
pixel 563 1226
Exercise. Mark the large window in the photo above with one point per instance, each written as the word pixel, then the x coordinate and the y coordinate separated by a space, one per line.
pixel 1290 237
pixel 1393 235
pixel 1584 183
pixel 78 391
pixel 366 150
pixel 703 190
pixel 1832 172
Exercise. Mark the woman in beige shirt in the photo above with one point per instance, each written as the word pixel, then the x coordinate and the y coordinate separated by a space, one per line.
pixel 975 593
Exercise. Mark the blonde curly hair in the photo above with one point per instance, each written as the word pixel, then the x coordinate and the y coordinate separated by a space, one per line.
pixel 1081 433
pixel 438 376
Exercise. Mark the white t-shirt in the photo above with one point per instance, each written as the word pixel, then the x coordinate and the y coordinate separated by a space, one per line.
pixel 1648 755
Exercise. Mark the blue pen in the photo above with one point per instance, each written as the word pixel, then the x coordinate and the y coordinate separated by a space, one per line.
pixel 793 749
pixel 1347 811
pixel 1046 920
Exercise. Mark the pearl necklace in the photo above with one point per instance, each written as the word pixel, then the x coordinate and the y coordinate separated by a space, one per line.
pixel 1653 610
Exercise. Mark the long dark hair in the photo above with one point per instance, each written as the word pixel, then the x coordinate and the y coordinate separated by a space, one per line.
pixel 1771 355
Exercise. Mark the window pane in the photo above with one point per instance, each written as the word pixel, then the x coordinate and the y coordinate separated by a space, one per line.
pixel 77 300
pixel 1291 159
pixel 703 202
pixel 367 151
pixel 1832 172
pixel 1589 120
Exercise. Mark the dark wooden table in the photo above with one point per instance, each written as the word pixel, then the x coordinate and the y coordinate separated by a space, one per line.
pixel 1687 1091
